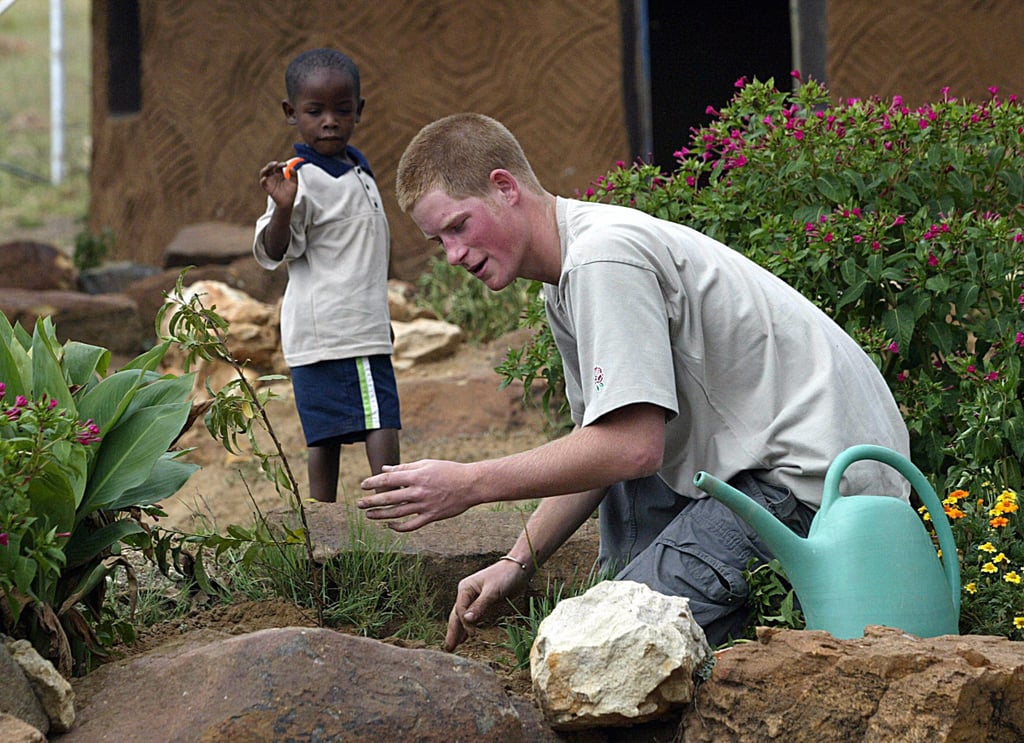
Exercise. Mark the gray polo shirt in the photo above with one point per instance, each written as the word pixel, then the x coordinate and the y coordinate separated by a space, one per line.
pixel 751 374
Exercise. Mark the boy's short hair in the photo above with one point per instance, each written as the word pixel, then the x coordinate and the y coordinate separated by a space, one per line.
pixel 457 154
pixel 312 60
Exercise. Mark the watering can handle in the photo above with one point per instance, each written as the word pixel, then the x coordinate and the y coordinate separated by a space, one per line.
pixel 921 486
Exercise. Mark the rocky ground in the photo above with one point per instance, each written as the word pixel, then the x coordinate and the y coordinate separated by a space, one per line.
pixel 451 409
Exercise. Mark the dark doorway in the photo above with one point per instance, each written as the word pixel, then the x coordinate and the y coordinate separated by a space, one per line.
pixel 696 53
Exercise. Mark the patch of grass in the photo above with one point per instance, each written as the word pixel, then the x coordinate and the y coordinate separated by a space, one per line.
pixel 370 588
pixel 27 197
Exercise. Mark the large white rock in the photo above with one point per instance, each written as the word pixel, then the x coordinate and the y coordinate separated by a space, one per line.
pixel 620 654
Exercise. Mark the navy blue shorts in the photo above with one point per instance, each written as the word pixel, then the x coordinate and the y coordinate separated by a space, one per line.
pixel 340 400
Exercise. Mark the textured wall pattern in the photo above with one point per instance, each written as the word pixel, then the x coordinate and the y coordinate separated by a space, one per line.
pixel 213 78
pixel 914 49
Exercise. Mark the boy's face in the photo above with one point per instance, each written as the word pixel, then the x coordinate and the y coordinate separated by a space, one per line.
pixel 325 111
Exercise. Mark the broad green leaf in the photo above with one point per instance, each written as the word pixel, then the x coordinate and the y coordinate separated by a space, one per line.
pixel 899 324
pixel 15 363
pixel 107 401
pixel 167 477
pixel 52 496
pixel 150 359
pixel 86 545
pixel 84 362
pixel 162 391
pixel 47 376
pixel 128 453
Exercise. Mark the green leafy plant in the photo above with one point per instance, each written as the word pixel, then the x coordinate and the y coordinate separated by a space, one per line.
pixel 90 249
pixel 456 296
pixel 73 492
pixel 772 601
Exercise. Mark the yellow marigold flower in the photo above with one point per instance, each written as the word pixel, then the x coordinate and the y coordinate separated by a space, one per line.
pixel 989 567
pixel 998 522
pixel 926 517
pixel 1008 495
pixel 953 513
pixel 971 587
pixel 987 547
pixel 1018 622
pixel 1012 577
pixel 1000 558
pixel 1002 507
pixel 957 495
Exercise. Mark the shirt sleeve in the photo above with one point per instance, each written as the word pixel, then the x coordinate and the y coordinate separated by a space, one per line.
pixel 297 243
pixel 622 354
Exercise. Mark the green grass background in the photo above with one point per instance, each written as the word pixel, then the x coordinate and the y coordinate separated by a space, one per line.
pixel 27 198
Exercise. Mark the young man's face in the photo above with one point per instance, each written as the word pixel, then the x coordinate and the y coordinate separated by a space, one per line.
pixel 325 111
pixel 476 233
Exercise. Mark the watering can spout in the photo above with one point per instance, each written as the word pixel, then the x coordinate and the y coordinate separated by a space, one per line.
pixel 787 546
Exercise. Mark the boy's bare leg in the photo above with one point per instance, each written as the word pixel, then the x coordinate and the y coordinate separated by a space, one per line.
pixel 382 448
pixel 324 462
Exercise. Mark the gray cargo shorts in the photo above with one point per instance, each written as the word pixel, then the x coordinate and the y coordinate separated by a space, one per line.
pixel 690 547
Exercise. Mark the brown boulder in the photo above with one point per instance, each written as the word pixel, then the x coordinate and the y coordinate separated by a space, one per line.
pixel 294 683
pixel 208 243
pixel 888 685
pixel 26 264
pixel 107 320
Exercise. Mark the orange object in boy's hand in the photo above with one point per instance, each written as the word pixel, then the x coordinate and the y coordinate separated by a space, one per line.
pixel 290 167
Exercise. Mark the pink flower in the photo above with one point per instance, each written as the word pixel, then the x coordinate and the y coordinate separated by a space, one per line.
pixel 898 221
pixel 894 347
pixel 970 369
pixel 710 111
pixel 740 82
pixel 902 376
pixel 795 74
pixel 3 539
pixel 932 260
pixel 1019 340
pixel 875 245
pixel 992 376
pixel 857 239
pixel 1018 238
pixel 681 153
pixel 829 237
pixel 993 90
pixel 691 181
pixel 798 134
pixel 589 192
pixel 897 101
pixel 20 401
pixel 3 389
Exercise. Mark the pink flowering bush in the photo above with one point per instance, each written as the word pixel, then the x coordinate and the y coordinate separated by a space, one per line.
pixel 905 225
pixel 82 456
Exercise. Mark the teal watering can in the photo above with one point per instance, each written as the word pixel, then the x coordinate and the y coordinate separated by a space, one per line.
pixel 867 559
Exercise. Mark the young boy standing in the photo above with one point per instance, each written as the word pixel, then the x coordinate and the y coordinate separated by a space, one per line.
pixel 326 222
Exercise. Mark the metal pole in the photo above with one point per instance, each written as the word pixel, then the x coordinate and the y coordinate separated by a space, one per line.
pixel 56 92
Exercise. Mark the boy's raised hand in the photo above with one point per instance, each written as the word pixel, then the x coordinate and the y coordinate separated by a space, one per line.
pixel 280 188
